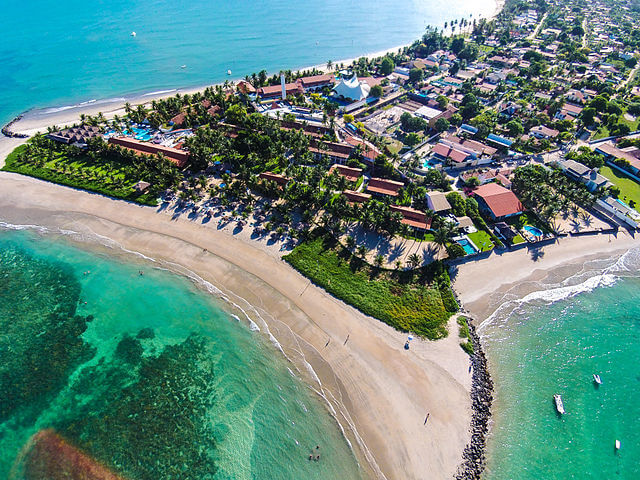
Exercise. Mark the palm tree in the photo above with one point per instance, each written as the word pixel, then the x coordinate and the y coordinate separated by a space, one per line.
pixel 379 260
pixel 350 242
pixel 414 260
pixel 362 251
pixel 329 65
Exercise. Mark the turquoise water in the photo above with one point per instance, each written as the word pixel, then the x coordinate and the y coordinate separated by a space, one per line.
pixel 55 54
pixel 466 246
pixel 536 232
pixel 553 343
pixel 146 374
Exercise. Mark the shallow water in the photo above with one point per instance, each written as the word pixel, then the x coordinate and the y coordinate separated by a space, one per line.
pixel 151 377
pixel 553 342
pixel 55 55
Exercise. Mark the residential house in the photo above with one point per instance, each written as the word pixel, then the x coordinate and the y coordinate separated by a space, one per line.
pixel 497 201
pixel 416 219
pixel 590 177
pixel 437 201
pixel 543 132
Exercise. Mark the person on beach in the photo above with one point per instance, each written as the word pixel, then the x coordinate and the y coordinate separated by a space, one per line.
pixel 345 342
pixel 327 344
pixel 427 418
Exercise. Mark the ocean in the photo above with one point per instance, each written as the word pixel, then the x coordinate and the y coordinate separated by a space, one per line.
pixel 54 55
pixel 553 341
pixel 148 375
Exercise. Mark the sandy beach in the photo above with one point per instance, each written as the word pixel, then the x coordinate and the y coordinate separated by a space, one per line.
pixel 482 285
pixel 378 392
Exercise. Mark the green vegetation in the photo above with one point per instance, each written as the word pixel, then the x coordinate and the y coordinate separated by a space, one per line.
pixel 482 240
pixel 463 332
pixel 528 218
pixel 517 240
pixel 65 165
pixel 629 188
pixel 419 301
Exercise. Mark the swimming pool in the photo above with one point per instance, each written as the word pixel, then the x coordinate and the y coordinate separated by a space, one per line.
pixel 467 246
pixel 536 232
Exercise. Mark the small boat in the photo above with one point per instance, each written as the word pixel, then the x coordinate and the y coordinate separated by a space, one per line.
pixel 597 379
pixel 617 444
pixel 228 72
pixel 133 34
pixel 559 405
pixel 183 66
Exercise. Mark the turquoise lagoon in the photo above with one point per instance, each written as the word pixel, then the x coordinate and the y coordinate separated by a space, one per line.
pixel 61 54
pixel 552 342
pixel 147 374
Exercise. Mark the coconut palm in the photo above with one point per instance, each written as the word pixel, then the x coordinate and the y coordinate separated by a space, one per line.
pixel 414 260
pixel 362 251
pixel 379 260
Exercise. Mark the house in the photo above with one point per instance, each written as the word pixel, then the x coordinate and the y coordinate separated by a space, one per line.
pixel 381 186
pixel 350 173
pixel 590 177
pixel 245 87
pixel 611 153
pixel 568 110
pixel 447 152
pixel 416 219
pixel 543 132
pixel 437 201
pixel 281 180
pixel 75 135
pixel 575 96
pixel 500 141
pixel 369 152
pixel 496 200
pixel 175 155
pixel 356 197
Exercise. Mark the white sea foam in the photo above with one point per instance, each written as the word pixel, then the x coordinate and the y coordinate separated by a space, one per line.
pixel 159 92
pixel 52 110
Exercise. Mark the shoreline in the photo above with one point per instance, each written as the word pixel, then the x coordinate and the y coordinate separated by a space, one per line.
pixel 377 392
pixel 527 274
pixel 34 120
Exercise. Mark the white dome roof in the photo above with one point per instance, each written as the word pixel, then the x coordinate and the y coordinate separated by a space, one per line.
pixel 352 88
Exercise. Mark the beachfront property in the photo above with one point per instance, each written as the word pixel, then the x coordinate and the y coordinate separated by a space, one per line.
pixel 589 176
pixel 79 136
pixel 497 201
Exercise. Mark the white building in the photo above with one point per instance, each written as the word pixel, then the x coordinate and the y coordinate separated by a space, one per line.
pixel 353 89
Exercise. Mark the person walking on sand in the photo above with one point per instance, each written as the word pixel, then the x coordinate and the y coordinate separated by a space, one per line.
pixel 426 418
pixel 345 342
pixel 327 344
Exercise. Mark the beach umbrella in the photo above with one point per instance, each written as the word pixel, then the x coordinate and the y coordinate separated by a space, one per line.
pixel 410 337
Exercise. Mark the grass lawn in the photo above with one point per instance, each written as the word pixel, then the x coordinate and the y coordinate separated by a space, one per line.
pixel 517 240
pixel 528 218
pixel 629 188
pixel 82 172
pixel 603 131
pixel 419 301
pixel 482 240
pixel 392 145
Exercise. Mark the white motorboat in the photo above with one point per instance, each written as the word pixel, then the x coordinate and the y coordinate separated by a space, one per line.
pixel 559 405
pixel 617 444
pixel 597 379
pixel 133 34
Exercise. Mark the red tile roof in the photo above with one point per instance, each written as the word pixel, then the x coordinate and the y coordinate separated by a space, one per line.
pixel 317 80
pixel 350 173
pixel 412 217
pixel 501 202
pixel 279 179
pixel 179 157
pixel 357 197
pixel 385 187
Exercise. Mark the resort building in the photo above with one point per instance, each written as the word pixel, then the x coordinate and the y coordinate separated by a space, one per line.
pixel 416 219
pixel 350 173
pixel 381 186
pixel 275 91
pixel 437 201
pixel 75 135
pixel 496 200
pixel 352 89
pixel 175 155
pixel 317 82
pixel 336 152
pixel 356 197
pixel 281 180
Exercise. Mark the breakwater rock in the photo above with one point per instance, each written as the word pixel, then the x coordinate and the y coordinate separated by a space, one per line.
pixel 473 462
pixel 6 130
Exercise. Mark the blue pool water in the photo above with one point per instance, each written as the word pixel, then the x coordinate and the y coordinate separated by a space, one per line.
pixel 467 247
pixel 536 232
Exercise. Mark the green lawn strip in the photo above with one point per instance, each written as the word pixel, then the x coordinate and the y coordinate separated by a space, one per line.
pixel 463 332
pixel 517 240
pixel 629 188
pixel 72 178
pixel 528 218
pixel 420 302
pixel 482 240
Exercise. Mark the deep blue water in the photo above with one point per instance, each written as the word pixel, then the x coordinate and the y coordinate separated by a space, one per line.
pixel 62 53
